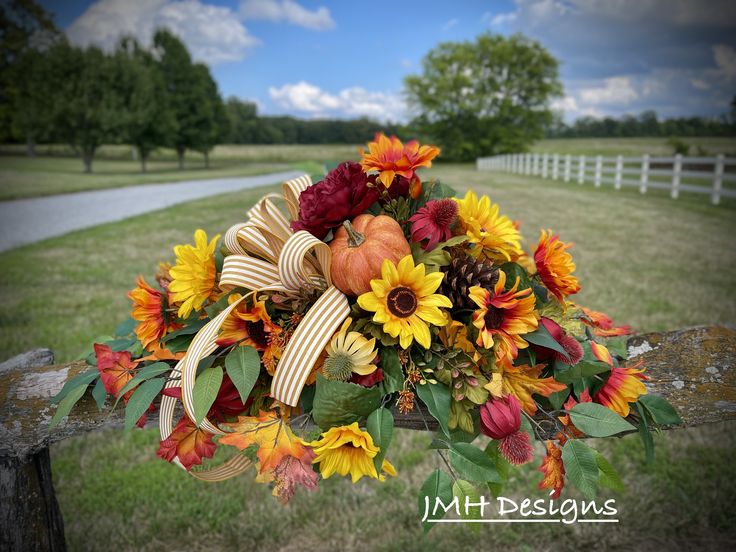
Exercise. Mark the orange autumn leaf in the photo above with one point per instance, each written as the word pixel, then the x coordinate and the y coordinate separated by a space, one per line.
pixel 116 369
pixel 523 381
pixel 273 436
pixel 189 443
pixel 553 470
pixel 162 353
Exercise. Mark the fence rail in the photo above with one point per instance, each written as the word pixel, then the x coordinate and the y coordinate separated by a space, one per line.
pixel 699 175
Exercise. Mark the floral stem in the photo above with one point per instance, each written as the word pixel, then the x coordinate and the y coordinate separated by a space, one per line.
pixel 355 238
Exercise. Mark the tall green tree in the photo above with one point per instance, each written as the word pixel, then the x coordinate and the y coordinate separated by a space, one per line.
pixel 147 118
pixel 88 107
pixel 27 31
pixel 209 120
pixel 182 87
pixel 484 97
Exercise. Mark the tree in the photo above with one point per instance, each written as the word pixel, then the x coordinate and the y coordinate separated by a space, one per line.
pixel 208 121
pixel 27 31
pixel 148 120
pixel 88 108
pixel 182 88
pixel 484 97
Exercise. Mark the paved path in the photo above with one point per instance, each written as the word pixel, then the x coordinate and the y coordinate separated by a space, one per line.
pixel 24 221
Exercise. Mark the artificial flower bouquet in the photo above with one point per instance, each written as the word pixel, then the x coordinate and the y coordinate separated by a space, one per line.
pixel 294 345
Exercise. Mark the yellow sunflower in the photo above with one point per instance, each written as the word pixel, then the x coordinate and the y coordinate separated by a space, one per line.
pixel 404 301
pixel 494 236
pixel 349 352
pixel 348 450
pixel 194 275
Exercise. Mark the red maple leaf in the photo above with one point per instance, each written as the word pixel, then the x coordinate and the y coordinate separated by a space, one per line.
pixel 116 369
pixel 189 443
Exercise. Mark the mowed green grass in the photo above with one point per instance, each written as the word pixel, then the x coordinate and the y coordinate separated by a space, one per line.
pixel 634 146
pixel 648 261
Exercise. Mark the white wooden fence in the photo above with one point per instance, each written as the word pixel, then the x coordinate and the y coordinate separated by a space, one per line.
pixel 699 175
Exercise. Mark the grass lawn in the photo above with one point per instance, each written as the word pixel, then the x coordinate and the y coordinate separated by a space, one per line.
pixel 634 146
pixel 649 261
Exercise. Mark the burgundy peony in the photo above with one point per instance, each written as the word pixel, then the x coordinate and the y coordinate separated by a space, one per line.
pixel 345 193
pixel 500 419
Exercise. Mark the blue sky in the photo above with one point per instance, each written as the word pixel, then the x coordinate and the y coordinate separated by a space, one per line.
pixel 345 59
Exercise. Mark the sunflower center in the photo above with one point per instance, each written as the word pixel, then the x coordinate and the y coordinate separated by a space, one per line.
pixel 402 302
pixel 257 333
pixel 493 318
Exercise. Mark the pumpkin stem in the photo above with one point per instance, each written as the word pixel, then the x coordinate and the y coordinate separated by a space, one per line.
pixel 355 238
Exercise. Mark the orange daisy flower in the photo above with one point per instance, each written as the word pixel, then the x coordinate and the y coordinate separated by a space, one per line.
pixel 622 387
pixel 505 316
pixel 602 324
pixel 389 157
pixel 247 325
pixel 149 308
pixel 555 265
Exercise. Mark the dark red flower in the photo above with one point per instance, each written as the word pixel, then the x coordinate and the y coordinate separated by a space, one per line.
pixel 500 419
pixel 345 193
pixel 368 381
pixel 573 349
pixel 433 222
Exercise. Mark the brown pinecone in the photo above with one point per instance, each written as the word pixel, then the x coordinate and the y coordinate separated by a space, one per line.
pixel 461 274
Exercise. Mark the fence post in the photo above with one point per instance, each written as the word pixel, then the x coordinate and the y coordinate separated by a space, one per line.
pixel 581 169
pixel 555 166
pixel 568 161
pixel 715 197
pixel 676 173
pixel 598 170
pixel 545 161
pixel 644 173
pixel 619 172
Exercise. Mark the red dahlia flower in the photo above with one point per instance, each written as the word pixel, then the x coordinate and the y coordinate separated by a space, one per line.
pixel 345 193
pixel 434 222
pixel 500 419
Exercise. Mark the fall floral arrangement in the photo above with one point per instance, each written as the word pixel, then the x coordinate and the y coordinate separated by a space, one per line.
pixel 297 342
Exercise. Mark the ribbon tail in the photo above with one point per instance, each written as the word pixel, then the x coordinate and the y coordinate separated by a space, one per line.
pixel 309 340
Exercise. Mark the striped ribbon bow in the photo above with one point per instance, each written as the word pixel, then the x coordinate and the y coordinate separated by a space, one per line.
pixel 266 255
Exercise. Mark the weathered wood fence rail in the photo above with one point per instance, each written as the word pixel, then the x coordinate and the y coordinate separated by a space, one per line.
pixel 698 175
pixel 694 368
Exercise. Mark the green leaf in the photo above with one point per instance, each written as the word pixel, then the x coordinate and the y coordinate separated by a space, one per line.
pixel 437 485
pixel 598 421
pixel 126 328
pixel 580 467
pixel 467 494
pixel 514 271
pixel 557 399
pixel 437 398
pixel 607 475
pixel 83 379
pixel 380 425
pixel 661 411
pixel 144 374
pixel 543 338
pixel 66 404
pixel 141 400
pixel 564 373
pixel 645 435
pixel 393 375
pixel 243 365
pixel 99 393
pixel 617 347
pixel 502 467
pixel 206 387
pixel 189 329
pixel 339 403
pixel 472 463
pixel 123 344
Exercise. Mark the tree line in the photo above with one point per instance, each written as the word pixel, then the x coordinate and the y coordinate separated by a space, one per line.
pixel 647 124
pixel 85 97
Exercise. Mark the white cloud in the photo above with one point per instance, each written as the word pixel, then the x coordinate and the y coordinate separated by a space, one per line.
pixel 287 11
pixel 725 58
pixel 213 34
pixel 309 99
pixel 700 84
pixel 450 23
pixel 569 105
pixel 613 91
pixel 406 63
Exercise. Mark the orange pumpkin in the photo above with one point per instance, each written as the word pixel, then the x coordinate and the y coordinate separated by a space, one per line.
pixel 359 249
